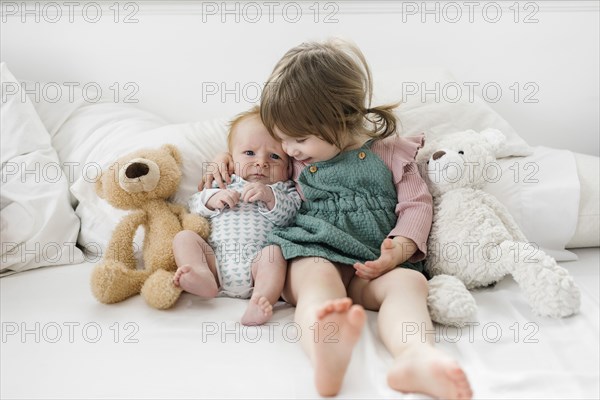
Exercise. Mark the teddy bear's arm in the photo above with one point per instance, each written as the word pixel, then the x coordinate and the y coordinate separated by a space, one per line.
pixel 177 209
pixel 120 246
pixel 192 222
pixel 506 218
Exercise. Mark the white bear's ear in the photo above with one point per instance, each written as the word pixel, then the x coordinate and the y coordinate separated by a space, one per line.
pixel 494 137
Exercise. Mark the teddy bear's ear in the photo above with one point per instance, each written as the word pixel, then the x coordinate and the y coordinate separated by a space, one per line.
pixel 174 152
pixel 99 190
pixel 494 137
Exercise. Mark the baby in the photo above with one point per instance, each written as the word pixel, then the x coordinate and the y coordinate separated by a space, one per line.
pixel 259 198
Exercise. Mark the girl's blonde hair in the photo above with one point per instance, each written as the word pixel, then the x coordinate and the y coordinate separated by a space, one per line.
pixel 253 112
pixel 324 89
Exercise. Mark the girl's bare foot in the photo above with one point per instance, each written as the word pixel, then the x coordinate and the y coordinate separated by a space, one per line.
pixel 196 280
pixel 338 328
pixel 425 369
pixel 259 310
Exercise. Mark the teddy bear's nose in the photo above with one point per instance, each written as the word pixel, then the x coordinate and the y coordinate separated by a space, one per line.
pixel 135 170
pixel 438 154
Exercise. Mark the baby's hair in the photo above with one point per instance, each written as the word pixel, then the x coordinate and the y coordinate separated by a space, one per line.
pixel 253 112
pixel 324 89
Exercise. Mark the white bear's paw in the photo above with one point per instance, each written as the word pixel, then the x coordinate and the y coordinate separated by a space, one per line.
pixel 554 293
pixel 449 301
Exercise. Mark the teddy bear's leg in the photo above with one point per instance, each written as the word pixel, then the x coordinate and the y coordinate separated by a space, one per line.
pixel 159 290
pixel 113 281
pixel 549 287
pixel 449 301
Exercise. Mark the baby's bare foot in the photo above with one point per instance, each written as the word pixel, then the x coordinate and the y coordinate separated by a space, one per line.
pixel 259 310
pixel 338 328
pixel 425 369
pixel 199 281
pixel 178 274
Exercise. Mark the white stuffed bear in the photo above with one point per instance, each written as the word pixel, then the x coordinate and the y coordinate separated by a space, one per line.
pixel 474 241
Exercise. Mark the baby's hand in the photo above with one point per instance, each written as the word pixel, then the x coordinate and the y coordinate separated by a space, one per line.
pixel 220 171
pixel 222 198
pixel 259 191
pixel 386 262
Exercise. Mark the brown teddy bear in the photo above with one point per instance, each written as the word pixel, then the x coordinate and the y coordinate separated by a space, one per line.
pixel 142 182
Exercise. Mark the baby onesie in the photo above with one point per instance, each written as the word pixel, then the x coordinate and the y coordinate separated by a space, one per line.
pixel 239 233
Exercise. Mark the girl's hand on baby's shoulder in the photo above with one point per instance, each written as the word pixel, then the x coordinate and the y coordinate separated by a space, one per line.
pixel 219 170
pixel 257 191
pixel 223 198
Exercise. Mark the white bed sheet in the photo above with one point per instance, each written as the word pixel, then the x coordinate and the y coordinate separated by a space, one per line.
pixel 75 347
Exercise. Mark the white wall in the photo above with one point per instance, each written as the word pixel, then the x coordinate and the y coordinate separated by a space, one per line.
pixel 176 51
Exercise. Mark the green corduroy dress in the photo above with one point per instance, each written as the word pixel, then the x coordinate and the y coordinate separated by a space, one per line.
pixel 347 213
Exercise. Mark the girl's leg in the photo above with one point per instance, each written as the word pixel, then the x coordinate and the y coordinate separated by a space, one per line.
pixel 407 331
pixel 330 325
pixel 268 271
pixel 196 265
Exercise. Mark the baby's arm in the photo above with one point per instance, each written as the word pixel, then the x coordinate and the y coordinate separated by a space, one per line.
pixel 210 202
pixel 223 198
pixel 258 191
pixel 286 204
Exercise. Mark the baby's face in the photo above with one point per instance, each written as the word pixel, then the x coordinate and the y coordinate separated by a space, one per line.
pixel 257 157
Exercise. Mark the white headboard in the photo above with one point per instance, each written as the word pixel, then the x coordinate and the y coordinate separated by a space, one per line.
pixel 196 60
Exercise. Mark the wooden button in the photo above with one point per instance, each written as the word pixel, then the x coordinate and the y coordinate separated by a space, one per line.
pixel 362 155
pixel 313 168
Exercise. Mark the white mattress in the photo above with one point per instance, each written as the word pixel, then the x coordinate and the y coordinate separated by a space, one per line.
pixel 58 342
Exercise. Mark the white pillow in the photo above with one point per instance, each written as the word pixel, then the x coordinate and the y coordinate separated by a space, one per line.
pixel 430 106
pixel 78 127
pixel 587 232
pixel 38 225
pixel 541 192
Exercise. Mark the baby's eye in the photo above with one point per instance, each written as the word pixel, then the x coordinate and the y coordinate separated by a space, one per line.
pixel 300 140
pixel 249 153
pixel 275 156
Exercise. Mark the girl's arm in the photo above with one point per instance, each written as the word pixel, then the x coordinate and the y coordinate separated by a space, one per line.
pixel 219 170
pixel 415 213
pixel 408 240
pixel 393 253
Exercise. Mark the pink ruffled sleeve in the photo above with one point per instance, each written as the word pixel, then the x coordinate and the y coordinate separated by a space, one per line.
pixel 415 205
pixel 297 168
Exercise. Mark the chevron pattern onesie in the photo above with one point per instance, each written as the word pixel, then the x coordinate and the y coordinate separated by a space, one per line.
pixel 238 234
